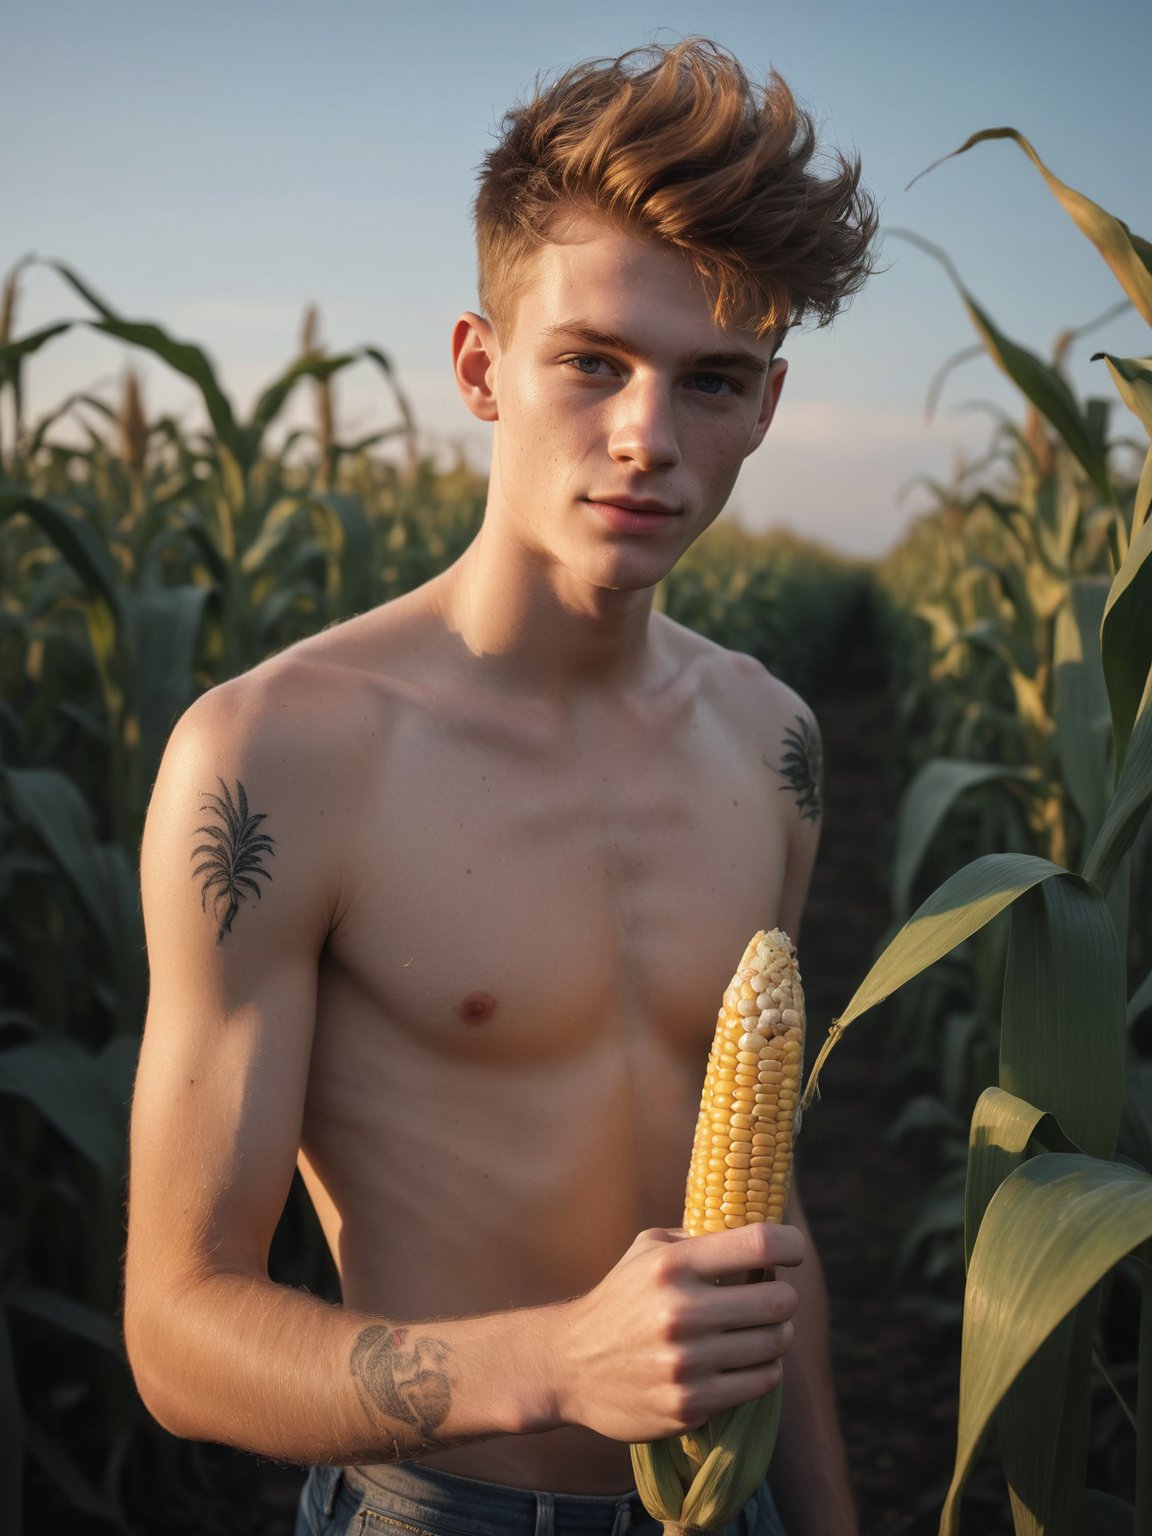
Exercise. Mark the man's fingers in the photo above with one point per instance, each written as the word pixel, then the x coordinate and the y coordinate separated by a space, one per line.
pixel 750 1306
pixel 760 1245
pixel 750 1348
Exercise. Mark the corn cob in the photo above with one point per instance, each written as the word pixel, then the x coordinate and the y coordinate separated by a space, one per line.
pixel 740 1171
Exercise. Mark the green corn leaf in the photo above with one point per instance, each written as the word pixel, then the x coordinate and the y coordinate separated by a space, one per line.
pixel 278 527
pixel 1136 1122
pixel 1126 638
pixel 272 401
pixel 1002 1127
pixel 1053 1229
pixel 966 901
pixel 49 804
pixel 1042 1427
pixel 384 363
pixel 13 353
pixel 68 1087
pixel 1129 256
pixel 1132 377
pixel 1083 718
pixel 165 627
pixel 1129 806
pixel 350 562
pixel 925 804
pixel 1142 503
pixel 79 543
pixel 1062 1024
pixel 185 357
pixel 1040 382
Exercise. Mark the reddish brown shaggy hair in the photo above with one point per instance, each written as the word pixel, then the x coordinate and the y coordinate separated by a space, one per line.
pixel 677 144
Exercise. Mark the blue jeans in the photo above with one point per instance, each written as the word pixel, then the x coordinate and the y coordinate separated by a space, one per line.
pixel 408 1499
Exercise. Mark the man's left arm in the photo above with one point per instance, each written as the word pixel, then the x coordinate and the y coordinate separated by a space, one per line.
pixel 809 1475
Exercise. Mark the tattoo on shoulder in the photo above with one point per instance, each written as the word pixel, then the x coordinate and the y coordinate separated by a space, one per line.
pixel 232 857
pixel 406 1381
pixel 802 767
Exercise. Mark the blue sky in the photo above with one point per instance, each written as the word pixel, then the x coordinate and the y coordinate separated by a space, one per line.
pixel 216 167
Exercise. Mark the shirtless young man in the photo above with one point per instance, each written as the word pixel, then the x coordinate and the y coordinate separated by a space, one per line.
pixel 510 834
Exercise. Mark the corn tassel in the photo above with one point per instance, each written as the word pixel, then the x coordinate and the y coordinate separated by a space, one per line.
pixel 740 1172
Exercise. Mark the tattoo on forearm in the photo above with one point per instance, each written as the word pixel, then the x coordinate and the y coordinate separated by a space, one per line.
pixel 802 767
pixel 409 1384
pixel 232 858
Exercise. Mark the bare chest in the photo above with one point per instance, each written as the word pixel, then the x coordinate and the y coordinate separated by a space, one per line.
pixel 523 892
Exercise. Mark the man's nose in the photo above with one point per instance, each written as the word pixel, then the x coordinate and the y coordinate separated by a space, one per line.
pixel 644 429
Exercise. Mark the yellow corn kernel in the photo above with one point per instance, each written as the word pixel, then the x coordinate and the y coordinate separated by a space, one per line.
pixel 740 1170
pixel 751 1088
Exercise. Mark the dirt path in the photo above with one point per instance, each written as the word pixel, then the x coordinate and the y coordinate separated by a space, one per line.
pixel 896 1369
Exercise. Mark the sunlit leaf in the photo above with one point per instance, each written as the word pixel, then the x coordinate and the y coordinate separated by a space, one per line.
pixel 1001 1128
pixel 959 908
pixel 1041 383
pixel 1133 379
pixel 1129 256
pixel 1053 1229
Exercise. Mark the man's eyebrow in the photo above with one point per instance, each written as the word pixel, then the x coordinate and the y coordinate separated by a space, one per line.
pixel 591 337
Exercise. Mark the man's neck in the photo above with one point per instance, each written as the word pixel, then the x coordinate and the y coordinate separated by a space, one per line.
pixel 537 628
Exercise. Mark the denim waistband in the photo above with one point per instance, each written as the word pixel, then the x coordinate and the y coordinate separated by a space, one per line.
pixel 418 1492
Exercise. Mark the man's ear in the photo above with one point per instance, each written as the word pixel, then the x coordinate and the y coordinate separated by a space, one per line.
pixel 474 352
pixel 773 384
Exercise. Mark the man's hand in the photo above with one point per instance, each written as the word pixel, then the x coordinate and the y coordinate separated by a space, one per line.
pixel 661 1344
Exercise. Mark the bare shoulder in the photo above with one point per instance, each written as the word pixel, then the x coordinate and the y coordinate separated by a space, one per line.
pixel 266 765
pixel 304 718
pixel 761 711
pixel 784 726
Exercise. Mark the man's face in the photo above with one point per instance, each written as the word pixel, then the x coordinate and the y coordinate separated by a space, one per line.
pixel 622 412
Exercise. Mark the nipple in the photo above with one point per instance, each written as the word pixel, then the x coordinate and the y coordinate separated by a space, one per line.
pixel 477 1008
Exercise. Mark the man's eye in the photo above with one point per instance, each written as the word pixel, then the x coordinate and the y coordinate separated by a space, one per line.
pixel 589 366
pixel 715 384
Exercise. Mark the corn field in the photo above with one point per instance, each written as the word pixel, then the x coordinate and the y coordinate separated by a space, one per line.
pixel 141 563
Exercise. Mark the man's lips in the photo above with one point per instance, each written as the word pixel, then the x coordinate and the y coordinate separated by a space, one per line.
pixel 632 514
pixel 634 504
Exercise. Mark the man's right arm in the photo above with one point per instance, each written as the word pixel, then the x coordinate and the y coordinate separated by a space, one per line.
pixel 244 864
